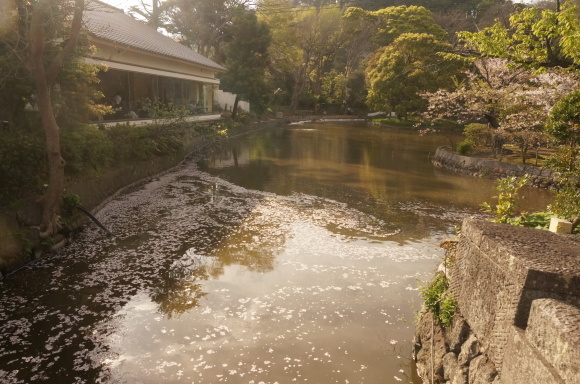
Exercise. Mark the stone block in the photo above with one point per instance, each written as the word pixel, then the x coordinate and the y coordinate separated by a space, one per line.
pixel 450 366
pixel 560 225
pixel 426 331
pixel 481 371
pixel 469 350
pixel 462 376
pixel 554 330
pixel 547 173
pixel 524 365
pixel 457 333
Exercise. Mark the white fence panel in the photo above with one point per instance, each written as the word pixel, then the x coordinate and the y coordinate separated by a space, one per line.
pixel 226 101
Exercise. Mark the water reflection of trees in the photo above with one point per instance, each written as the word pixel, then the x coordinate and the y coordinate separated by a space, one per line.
pixel 255 250
pixel 181 287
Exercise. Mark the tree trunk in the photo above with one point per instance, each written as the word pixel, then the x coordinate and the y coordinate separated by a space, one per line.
pixel 298 87
pixel 52 195
pixel 235 110
pixel 492 120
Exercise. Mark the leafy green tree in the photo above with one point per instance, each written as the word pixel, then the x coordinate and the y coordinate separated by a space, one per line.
pixel 399 73
pixel 564 121
pixel 319 37
pixel 305 43
pixel 285 53
pixel 247 60
pixel 535 38
pixel 386 25
pixel 203 26
pixel 564 125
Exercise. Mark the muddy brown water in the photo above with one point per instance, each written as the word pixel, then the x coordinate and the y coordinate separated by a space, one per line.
pixel 291 255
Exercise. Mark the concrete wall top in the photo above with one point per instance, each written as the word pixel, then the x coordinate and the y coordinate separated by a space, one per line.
pixel 532 248
pixel 501 269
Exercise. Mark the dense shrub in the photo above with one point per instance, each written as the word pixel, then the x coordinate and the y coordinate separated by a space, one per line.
pixel 86 149
pixel 22 163
pixel 464 148
pixel 479 134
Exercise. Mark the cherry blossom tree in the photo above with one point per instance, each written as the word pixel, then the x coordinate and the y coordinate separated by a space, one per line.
pixel 515 102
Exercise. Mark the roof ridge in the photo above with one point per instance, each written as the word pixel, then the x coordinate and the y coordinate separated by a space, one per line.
pixel 116 26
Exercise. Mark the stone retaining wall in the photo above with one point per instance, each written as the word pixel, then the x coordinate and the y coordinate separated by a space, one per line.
pixel 518 291
pixel 492 169
pixel 20 241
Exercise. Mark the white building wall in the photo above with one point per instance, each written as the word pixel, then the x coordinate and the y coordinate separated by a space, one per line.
pixel 226 100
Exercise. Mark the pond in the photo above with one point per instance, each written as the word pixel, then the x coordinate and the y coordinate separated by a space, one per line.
pixel 290 255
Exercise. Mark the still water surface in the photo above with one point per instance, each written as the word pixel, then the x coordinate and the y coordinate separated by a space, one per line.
pixel 291 255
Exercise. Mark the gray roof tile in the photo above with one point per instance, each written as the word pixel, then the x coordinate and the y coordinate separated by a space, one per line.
pixel 112 24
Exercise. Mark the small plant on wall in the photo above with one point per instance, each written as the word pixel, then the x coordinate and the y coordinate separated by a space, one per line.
pixel 438 300
pixel 566 204
pixel 505 209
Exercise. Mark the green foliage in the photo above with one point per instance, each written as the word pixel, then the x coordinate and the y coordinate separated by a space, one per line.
pixel 46 241
pixel 438 300
pixel 538 220
pixel 506 206
pixel 247 59
pixel 566 164
pixel 464 148
pixel 202 24
pixel 566 204
pixel 86 150
pixel 395 122
pixel 479 134
pixel 76 97
pixel 535 38
pixel 72 200
pixel 389 23
pixel 22 163
pixel 399 73
pixel 142 143
pixel 564 120
pixel 333 88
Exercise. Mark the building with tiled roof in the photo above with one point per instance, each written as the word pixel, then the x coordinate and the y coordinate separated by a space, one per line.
pixel 145 66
